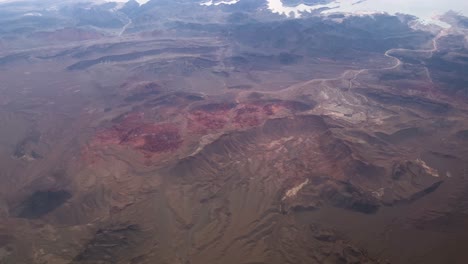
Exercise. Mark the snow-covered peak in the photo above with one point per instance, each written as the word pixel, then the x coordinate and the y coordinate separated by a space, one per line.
pixel 426 11
pixel 227 2
pixel 141 2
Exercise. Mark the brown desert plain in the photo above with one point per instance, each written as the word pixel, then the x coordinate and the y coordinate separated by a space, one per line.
pixel 244 138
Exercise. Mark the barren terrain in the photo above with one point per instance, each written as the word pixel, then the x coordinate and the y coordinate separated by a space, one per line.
pixel 245 139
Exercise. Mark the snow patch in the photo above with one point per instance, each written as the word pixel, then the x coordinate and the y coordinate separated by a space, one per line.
pixel 428 12
pixel 294 190
pixel 276 6
pixel 428 169
pixel 35 14
pixel 379 193
pixel 210 3
pixel 140 2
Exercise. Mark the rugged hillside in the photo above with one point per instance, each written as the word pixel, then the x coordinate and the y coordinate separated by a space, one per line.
pixel 132 136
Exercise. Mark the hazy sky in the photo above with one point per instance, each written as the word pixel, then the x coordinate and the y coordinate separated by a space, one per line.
pixel 120 1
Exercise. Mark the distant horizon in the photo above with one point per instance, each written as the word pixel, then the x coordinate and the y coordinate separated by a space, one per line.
pixel 427 11
pixel 141 2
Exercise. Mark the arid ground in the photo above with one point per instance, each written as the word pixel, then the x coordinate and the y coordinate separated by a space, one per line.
pixel 241 138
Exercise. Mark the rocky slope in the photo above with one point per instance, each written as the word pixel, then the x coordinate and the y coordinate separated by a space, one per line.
pixel 245 139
